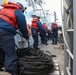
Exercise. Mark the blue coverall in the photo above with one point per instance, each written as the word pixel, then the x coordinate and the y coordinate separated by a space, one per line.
pixel 44 36
pixel 7 42
pixel 35 33
pixel 55 35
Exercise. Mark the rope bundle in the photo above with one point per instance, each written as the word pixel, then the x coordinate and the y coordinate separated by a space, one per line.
pixel 34 62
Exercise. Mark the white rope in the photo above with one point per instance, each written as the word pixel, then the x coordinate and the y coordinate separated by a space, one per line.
pixel 63 25
pixel 65 4
pixel 69 19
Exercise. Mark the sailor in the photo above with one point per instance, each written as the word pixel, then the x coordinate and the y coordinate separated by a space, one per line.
pixel 55 33
pixel 36 27
pixel 11 18
pixel 44 35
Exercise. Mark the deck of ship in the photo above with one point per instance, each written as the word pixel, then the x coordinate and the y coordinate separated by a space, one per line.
pixel 58 60
pixel 57 50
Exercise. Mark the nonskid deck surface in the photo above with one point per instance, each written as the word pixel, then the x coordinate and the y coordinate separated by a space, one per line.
pixel 59 59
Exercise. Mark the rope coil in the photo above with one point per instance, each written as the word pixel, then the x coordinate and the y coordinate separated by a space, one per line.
pixel 34 62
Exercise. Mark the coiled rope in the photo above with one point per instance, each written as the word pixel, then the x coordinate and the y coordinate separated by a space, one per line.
pixel 34 62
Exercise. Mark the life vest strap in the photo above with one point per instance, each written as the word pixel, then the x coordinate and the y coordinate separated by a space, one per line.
pixel 8 17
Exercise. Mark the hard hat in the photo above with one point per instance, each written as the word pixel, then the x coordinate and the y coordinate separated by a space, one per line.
pixel 24 3
pixel 23 7
pixel 38 15
pixel 35 15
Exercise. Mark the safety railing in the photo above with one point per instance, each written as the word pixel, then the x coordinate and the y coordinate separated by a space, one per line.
pixel 69 32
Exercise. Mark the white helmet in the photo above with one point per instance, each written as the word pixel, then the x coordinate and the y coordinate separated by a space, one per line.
pixel 23 8
pixel 23 3
pixel 38 15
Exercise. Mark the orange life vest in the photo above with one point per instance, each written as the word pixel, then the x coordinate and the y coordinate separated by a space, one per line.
pixel 8 13
pixel 45 26
pixel 40 32
pixel 34 23
pixel 55 25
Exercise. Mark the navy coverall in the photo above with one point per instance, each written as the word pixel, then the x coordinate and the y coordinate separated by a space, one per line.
pixel 54 35
pixel 7 43
pixel 35 33
pixel 44 36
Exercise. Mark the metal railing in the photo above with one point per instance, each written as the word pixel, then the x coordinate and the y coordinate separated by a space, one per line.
pixel 69 32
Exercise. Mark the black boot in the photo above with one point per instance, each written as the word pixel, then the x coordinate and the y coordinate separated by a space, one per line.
pixel 15 74
pixel 1 65
pixel 37 48
pixel 46 43
pixel 52 43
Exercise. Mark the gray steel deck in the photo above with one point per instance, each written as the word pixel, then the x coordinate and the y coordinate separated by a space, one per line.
pixel 59 52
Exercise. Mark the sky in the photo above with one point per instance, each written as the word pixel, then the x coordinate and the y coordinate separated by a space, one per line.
pixel 54 5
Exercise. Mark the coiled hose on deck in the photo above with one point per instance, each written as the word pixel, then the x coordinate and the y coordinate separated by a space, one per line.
pixel 34 62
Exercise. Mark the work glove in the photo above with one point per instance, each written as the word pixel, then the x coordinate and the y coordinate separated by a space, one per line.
pixel 27 40
pixel 46 34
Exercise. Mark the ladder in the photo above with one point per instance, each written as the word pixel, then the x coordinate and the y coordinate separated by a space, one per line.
pixel 69 32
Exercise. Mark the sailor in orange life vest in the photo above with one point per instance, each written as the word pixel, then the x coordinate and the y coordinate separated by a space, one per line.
pixel 11 18
pixel 36 27
pixel 55 33
pixel 44 35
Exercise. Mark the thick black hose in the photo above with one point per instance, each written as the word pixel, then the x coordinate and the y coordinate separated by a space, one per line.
pixel 34 62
